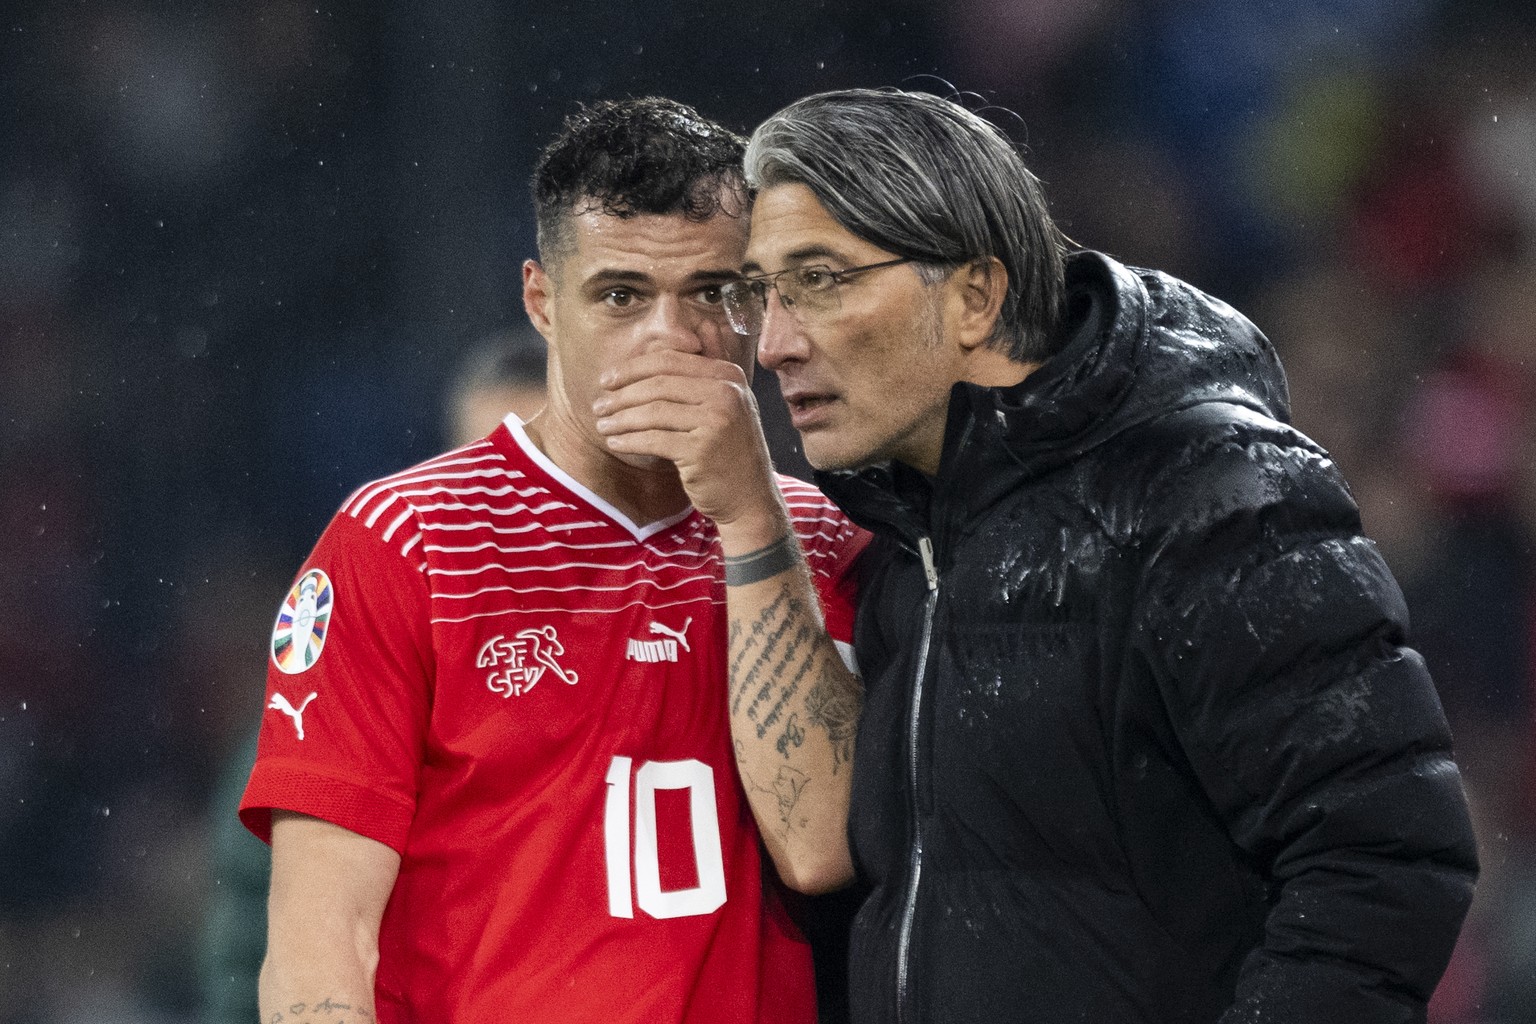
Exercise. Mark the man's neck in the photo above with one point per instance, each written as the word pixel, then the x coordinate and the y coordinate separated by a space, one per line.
pixel 993 369
pixel 644 494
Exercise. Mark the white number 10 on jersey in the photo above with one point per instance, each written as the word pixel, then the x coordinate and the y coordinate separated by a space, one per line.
pixel 699 779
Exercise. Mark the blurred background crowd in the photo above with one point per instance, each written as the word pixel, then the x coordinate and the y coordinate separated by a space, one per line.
pixel 253 254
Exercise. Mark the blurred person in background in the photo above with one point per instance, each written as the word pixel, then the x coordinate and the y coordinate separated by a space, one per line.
pixel 501 374
pixel 1143 738
pixel 495 767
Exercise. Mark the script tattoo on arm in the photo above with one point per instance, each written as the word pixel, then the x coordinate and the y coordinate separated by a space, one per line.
pixel 777 656
pixel 794 706
pixel 788 684
pixel 327 1011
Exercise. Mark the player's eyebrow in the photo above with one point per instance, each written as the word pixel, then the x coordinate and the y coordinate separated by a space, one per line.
pixel 610 276
pixel 795 257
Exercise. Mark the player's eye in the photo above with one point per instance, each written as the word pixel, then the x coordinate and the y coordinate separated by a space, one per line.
pixel 712 295
pixel 618 297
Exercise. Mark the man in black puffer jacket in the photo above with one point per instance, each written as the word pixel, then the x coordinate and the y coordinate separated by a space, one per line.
pixel 1142 739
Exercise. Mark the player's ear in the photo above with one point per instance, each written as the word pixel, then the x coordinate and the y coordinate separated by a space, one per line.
pixel 537 296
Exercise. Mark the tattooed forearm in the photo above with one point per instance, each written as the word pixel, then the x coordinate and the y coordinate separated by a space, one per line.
pixel 775 676
pixel 793 707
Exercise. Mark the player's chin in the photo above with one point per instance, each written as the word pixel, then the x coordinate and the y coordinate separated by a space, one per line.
pixel 648 463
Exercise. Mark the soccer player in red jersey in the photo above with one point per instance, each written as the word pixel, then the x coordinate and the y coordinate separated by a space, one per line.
pixel 496 766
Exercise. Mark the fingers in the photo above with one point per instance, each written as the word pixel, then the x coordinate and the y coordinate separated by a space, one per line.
pixel 670 445
pixel 661 414
pixel 670 362
pixel 681 391
pixel 699 414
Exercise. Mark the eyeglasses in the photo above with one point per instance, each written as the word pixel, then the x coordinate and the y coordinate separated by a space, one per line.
pixel 811 290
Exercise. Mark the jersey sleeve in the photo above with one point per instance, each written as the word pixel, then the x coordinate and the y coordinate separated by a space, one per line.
pixel 349 688
pixel 832 545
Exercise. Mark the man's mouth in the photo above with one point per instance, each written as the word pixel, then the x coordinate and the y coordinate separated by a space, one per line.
pixel 807 407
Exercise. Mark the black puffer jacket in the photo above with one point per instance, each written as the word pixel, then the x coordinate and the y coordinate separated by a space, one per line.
pixel 1146 744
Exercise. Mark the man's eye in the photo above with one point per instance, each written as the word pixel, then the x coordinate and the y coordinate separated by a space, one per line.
pixel 814 279
pixel 712 295
pixel 619 297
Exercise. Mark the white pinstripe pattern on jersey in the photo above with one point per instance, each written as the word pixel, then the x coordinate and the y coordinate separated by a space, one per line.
pixel 488 545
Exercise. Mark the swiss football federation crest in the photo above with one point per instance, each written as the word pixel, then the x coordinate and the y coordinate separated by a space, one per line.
pixel 298 637
pixel 518 664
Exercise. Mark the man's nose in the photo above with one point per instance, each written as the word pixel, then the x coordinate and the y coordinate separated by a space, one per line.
pixel 782 340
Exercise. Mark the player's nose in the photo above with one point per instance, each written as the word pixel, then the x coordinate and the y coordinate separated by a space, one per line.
pixel 670 328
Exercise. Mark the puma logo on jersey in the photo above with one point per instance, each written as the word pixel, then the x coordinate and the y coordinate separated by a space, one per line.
pixel 651 651
pixel 680 635
pixel 519 663
pixel 280 703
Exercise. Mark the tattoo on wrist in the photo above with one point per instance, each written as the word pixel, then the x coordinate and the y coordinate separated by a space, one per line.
pixel 762 564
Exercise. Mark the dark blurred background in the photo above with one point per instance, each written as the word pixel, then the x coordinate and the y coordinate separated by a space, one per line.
pixel 246 247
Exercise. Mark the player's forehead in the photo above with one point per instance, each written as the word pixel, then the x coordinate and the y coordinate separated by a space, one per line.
pixel 666 249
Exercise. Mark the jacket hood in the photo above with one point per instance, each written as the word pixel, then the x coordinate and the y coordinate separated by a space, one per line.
pixel 1139 344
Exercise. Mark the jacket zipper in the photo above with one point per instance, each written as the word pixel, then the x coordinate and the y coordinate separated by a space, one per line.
pixel 915 859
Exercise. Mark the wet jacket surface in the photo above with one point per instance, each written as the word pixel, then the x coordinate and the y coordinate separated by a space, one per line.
pixel 1151 747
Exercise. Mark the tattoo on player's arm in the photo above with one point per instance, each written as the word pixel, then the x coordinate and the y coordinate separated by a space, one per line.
pixel 833 706
pixel 327 1011
pixel 769 666
pixel 763 640
pixel 741 646
pixel 792 736
pixel 787 786
pixel 793 660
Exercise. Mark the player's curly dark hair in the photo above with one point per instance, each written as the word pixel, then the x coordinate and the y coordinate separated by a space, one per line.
pixel 628 157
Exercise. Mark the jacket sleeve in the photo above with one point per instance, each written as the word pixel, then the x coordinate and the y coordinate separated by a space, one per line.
pixel 1277 634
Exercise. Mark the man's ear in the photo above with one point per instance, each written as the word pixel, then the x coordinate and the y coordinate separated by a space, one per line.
pixel 981 285
pixel 538 297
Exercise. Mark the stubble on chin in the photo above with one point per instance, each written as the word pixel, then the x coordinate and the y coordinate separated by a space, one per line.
pixel 827 457
pixel 644 463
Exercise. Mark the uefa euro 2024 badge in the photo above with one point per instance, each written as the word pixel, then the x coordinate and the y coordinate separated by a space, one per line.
pixel 298 637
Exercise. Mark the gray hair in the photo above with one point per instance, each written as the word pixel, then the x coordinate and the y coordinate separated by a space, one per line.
pixel 925 178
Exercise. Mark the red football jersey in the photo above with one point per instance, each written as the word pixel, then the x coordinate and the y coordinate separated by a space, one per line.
pixel 493 671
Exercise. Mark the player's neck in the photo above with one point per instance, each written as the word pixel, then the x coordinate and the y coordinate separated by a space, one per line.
pixel 646 493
